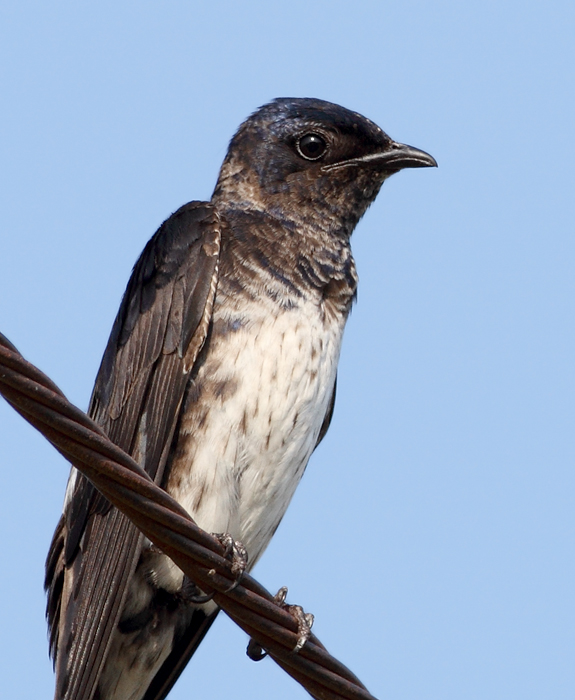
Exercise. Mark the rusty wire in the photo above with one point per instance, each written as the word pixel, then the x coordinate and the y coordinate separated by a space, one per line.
pixel 162 520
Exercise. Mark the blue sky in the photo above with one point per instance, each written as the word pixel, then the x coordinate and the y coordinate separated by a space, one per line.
pixel 432 535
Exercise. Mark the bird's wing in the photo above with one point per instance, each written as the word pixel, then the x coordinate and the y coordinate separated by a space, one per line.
pixel 161 327
pixel 184 647
pixel 328 416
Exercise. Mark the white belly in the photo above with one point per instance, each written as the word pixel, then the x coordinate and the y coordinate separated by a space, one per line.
pixel 246 441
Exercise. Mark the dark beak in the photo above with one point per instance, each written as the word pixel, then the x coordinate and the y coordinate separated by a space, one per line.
pixel 395 157
pixel 399 156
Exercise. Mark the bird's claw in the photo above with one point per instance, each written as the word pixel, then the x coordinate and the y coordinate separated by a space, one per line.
pixel 304 620
pixel 236 553
pixel 193 594
pixel 255 652
pixel 304 624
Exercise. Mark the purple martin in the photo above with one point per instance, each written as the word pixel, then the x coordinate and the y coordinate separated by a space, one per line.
pixel 219 379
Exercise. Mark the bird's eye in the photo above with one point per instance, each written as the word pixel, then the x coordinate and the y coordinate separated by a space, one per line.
pixel 311 146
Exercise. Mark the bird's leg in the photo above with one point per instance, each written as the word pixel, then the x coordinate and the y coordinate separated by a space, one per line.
pixel 236 553
pixel 304 624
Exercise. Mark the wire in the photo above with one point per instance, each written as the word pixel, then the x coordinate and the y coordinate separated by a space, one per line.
pixel 162 520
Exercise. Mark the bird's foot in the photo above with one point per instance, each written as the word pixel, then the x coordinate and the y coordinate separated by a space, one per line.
pixel 304 624
pixel 236 553
pixel 304 620
pixel 255 651
pixel 192 593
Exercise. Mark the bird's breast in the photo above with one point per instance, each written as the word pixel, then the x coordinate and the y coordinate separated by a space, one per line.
pixel 253 415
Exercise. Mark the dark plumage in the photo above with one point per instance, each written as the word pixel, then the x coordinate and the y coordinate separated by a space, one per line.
pixel 219 378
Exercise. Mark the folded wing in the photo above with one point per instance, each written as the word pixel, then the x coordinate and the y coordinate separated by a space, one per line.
pixel 160 329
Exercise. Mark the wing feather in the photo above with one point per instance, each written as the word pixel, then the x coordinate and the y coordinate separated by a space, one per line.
pixel 328 416
pixel 184 647
pixel 160 328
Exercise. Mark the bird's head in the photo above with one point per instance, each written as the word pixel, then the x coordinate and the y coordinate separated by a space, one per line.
pixel 301 158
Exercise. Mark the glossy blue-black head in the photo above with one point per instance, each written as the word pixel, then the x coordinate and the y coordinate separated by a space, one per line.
pixel 296 152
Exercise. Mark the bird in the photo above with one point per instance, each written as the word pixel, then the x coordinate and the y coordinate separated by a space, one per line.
pixel 219 379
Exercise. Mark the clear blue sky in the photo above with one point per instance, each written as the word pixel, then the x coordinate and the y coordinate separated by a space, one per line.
pixel 433 533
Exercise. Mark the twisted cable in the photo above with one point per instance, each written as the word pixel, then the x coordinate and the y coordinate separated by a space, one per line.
pixel 165 523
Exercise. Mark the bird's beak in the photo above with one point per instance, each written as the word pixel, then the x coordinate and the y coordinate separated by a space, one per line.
pixel 395 157
pixel 399 156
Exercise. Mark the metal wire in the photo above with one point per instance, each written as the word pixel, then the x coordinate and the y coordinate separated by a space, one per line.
pixel 162 520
